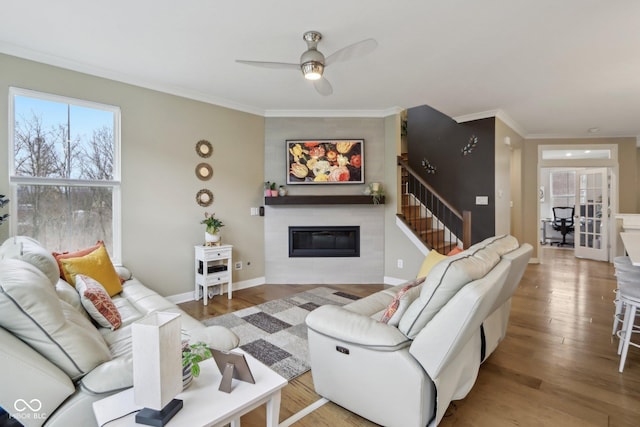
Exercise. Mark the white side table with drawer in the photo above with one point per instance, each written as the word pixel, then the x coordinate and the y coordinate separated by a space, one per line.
pixel 213 266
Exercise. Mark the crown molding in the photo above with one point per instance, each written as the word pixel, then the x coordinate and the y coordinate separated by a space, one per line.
pixel 500 114
pixel 579 136
pixel 61 62
pixel 334 113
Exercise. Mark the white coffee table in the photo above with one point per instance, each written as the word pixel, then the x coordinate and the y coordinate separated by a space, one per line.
pixel 203 404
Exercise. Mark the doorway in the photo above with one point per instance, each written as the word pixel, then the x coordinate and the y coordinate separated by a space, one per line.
pixel 583 180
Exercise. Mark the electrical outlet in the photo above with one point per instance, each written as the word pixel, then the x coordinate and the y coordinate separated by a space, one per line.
pixel 400 263
pixel 237 265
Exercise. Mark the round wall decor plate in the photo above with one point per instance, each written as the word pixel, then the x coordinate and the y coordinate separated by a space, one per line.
pixel 204 148
pixel 204 171
pixel 204 197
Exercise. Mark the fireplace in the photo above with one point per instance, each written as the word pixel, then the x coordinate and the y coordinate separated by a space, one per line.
pixel 324 241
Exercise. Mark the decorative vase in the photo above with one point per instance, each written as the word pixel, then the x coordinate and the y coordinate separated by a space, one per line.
pixel 282 191
pixel 187 376
pixel 211 239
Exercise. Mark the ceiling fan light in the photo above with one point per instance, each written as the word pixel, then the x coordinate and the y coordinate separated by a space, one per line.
pixel 312 70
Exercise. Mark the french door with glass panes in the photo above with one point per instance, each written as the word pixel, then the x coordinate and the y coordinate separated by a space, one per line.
pixel 591 214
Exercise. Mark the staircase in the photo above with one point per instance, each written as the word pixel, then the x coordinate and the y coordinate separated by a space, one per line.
pixel 434 221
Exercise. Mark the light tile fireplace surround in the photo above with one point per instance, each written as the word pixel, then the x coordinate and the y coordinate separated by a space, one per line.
pixel 367 268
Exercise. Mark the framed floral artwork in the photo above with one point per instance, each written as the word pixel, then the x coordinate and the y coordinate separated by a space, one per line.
pixel 325 161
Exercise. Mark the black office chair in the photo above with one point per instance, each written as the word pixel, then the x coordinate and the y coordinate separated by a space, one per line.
pixel 563 222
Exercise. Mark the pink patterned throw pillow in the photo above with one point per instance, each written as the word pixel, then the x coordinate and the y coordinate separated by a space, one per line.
pixel 97 302
pixel 401 302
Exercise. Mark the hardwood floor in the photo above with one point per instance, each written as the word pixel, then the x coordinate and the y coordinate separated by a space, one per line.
pixel 557 365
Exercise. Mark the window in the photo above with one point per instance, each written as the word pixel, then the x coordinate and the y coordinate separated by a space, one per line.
pixel 563 188
pixel 65 173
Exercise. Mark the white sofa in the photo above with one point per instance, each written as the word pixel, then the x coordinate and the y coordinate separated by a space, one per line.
pixel 54 360
pixel 406 375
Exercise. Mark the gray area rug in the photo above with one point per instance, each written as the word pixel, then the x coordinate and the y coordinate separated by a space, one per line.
pixel 275 333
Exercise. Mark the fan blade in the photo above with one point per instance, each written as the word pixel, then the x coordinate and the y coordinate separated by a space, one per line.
pixel 355 50
pixel 285 65
pixel 323 86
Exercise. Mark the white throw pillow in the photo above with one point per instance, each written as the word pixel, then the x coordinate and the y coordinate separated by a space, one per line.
pixel 97 302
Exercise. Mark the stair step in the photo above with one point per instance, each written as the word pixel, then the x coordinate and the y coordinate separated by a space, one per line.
pixel 412 211
pixel 432 234
pixel 444 247
pixel 420 223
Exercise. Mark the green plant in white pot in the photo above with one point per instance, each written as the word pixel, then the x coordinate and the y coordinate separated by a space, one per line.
pixel 192 355
pixel 212 232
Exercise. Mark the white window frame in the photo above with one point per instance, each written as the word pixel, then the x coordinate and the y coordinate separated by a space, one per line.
pixel 566 196
pixel 114 184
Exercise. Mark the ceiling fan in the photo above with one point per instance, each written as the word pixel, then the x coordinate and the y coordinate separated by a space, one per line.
pixel 313 62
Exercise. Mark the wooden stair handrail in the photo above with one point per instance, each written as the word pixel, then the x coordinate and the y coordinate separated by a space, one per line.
pixel 405 165
pixel 465 216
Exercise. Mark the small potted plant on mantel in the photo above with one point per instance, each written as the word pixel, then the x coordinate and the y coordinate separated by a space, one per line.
pixel 274 190
pixel 212 232
pixel 270 189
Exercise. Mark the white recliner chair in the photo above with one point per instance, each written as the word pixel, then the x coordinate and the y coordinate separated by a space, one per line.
pixel 407 375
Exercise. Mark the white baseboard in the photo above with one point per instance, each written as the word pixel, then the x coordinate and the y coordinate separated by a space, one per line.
pixel 249 283
pixel 393 281
pixel 188 296
pixel 180 298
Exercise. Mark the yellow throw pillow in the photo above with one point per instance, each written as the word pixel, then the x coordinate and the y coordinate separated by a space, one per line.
pixel 432 258
pixel 96 265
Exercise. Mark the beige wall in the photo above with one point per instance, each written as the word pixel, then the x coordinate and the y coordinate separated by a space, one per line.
pixel 508 171
pixel 503 185
pixel 628 175
pixel 397 244
pixel 160 217
pixel 636 183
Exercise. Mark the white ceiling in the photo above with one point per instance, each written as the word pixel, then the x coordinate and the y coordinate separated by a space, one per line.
pixel 551 67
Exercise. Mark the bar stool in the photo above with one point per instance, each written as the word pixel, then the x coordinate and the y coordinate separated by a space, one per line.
pixel 629 295
pixel 622 264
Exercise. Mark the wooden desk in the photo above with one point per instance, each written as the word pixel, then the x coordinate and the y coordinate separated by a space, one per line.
pixel 631 243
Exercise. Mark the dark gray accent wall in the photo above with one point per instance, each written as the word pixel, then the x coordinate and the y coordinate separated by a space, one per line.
pixel 459 178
